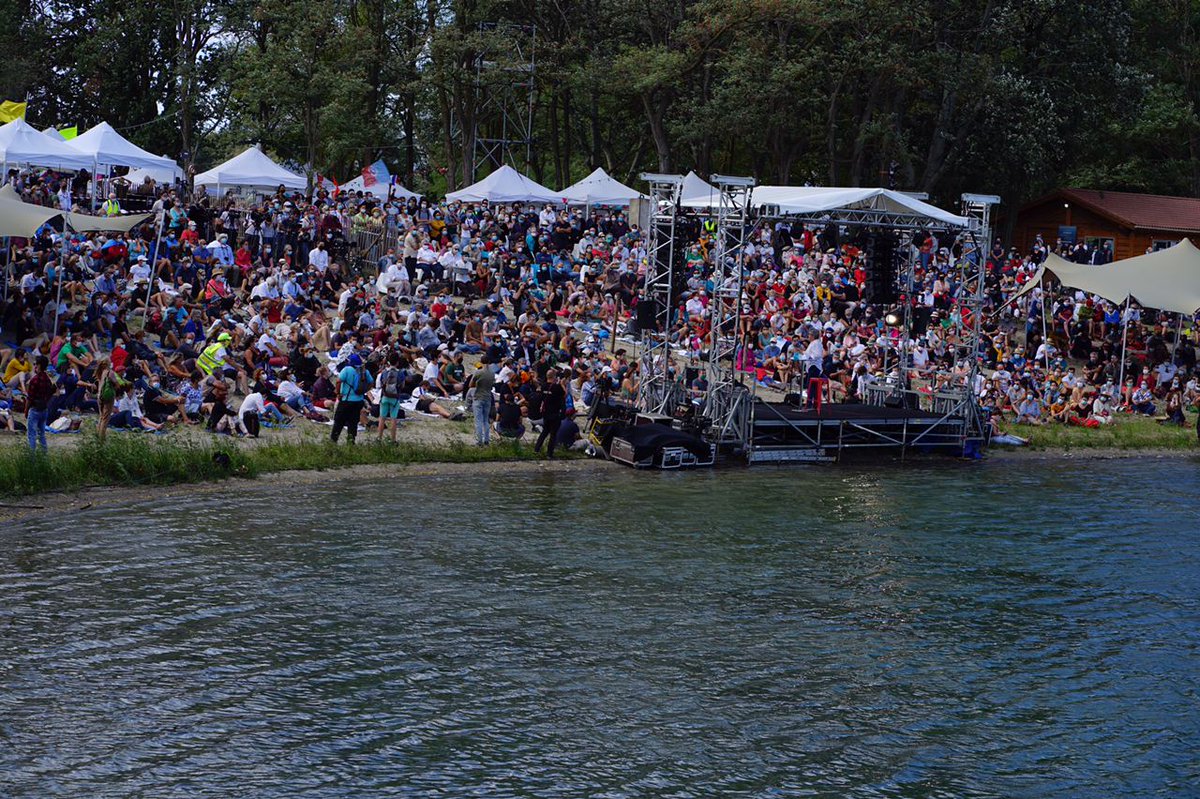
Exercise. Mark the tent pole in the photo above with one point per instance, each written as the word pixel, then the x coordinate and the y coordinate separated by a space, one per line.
pixel 154 266
pixel 1045 336
pixel 1124 343
pixel 1178 333
pixel 8 259
pixel 62 265
pixel 95 183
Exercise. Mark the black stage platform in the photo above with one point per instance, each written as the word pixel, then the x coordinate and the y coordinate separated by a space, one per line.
pixel 781 432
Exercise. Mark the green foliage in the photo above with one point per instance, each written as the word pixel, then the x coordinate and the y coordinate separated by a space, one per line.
pixel 1004 96
pixel 1126 433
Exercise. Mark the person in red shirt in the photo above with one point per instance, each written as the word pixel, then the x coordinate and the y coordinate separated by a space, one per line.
pixel 37 394
pixel 190 236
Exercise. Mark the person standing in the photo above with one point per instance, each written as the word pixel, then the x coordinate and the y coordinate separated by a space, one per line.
pixel 353 382
pixel 391 385
pixel 554 403
pixel 38 394
pixel 480 385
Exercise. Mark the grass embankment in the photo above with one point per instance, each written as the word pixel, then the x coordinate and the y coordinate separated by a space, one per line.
pixel 1126 433
pixel 128 460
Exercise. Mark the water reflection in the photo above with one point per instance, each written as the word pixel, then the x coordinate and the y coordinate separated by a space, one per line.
pixel 870 633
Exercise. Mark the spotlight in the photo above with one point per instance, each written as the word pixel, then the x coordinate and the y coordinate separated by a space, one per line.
pixel 892 319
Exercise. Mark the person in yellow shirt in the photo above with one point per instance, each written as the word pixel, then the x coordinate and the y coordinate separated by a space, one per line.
pixel 17 368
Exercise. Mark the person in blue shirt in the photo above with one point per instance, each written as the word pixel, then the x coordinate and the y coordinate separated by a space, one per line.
pixel 353 382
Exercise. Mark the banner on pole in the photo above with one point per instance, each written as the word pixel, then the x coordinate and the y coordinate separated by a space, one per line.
pixel 10 110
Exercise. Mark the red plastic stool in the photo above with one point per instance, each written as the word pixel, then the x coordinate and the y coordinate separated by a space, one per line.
pixel 820 384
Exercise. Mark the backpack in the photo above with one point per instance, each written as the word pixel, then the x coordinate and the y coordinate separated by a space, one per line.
pixel 391 382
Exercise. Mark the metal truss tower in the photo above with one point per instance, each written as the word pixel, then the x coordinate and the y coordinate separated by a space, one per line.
pixel 977 208
pixel 727 403
pixel 505 85
pixel 658 391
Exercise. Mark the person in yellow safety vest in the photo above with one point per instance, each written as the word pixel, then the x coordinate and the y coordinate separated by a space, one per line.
pixel 212 358
pixel 111 206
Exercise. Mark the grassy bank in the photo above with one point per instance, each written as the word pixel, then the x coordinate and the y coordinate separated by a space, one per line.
pixel 1127 433
pixel 128 460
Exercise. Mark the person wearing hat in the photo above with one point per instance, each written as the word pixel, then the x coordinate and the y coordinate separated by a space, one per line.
pixel 353 381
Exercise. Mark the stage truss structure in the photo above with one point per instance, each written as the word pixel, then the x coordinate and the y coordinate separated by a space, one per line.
pixel 501 127
pixel 658 390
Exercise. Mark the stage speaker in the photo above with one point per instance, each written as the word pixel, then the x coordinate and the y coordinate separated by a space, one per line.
pixel 647 309
pixel 883 278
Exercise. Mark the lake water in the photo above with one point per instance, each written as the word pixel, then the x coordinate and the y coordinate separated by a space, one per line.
pixel 1005 629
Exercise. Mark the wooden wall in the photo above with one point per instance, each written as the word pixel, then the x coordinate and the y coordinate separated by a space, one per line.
pixel 1046 217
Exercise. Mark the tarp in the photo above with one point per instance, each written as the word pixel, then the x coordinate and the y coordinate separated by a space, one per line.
pixel 821 199
pixel 21 213
pixel 1168 280
pixel 380 190
pixel 22 219
pixel 698 193
pixel 104 146
pixel 600 188
pixel 505 185
pixel 21 143
pixel 253 169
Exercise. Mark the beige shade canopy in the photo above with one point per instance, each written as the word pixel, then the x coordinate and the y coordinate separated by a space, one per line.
pixel 19 218
pixel 1168 279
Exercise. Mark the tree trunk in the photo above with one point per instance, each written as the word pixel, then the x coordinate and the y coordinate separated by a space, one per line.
pixel 658 130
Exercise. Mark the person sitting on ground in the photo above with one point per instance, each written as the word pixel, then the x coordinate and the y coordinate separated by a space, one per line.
pixel 1142 400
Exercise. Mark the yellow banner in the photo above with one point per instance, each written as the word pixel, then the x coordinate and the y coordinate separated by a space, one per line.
pixel 69 133
pixel 10 111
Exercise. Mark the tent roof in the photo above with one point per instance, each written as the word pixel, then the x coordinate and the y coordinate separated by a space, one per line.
pixel 821 199
pixel 698 193
pixel 1168 279
pixel 158 174
pixel 505 185
pixel 103 145
pixel 21 143
pixel 53 133
pixel 1131 210
pixel 600 188
pixel 251 168
pixel 380 190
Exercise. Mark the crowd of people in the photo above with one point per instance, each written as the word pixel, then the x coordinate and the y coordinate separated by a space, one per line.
pixel 235 315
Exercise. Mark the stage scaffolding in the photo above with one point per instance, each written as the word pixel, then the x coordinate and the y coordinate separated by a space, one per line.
pixel 728 406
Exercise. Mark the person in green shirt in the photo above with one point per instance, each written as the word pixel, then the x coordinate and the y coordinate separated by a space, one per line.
pixel 74 352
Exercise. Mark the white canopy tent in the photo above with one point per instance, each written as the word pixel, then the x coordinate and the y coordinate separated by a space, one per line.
pixel 819 199
pixel 378 189
pixel 1168 280
pixel 698 193
pixel 600 188
pixel 54 134
pixel 105 147
pixel 159 175
pixel 254 169
pixel 21 143
pixel 505 185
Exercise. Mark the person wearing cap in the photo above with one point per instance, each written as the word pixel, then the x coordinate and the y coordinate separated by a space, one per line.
pixel 111 207
pixel 353 381
pixel 213 360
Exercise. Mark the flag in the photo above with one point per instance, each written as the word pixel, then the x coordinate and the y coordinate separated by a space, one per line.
pixel 10 111
pixel 376 173
pixel 368 177
pixel 69 133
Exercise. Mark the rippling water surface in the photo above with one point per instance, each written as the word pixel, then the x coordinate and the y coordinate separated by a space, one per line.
pixel 1006 630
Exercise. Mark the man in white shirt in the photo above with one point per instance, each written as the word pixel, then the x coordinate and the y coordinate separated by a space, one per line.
pixel 319 259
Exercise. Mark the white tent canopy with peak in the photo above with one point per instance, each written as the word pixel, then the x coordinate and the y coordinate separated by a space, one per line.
pixel 505 185
pixel 53 133
pixel 105 147
pixel 696 192
pixel 21 143
pixel 600 188
pixel 252 168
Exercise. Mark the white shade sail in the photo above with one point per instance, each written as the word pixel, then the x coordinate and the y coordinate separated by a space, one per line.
pixel 600 188
pixel 21 143
pixel 505 185
pixel 105 147
pixel 252 168
pixel 19 218
pixel 1168 280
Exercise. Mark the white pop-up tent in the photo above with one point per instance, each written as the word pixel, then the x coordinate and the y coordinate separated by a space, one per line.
pixel 807 200
pixel 505 185
pixel 53 133
pixel 252 168
pixel 1168 280
pixel 600 188
pixel 378 189
pixel 105 147
pixel 696 192
pixel 21 143
pixel 161 175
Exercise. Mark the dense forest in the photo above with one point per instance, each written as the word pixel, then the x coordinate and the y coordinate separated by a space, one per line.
pixel 1000 96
